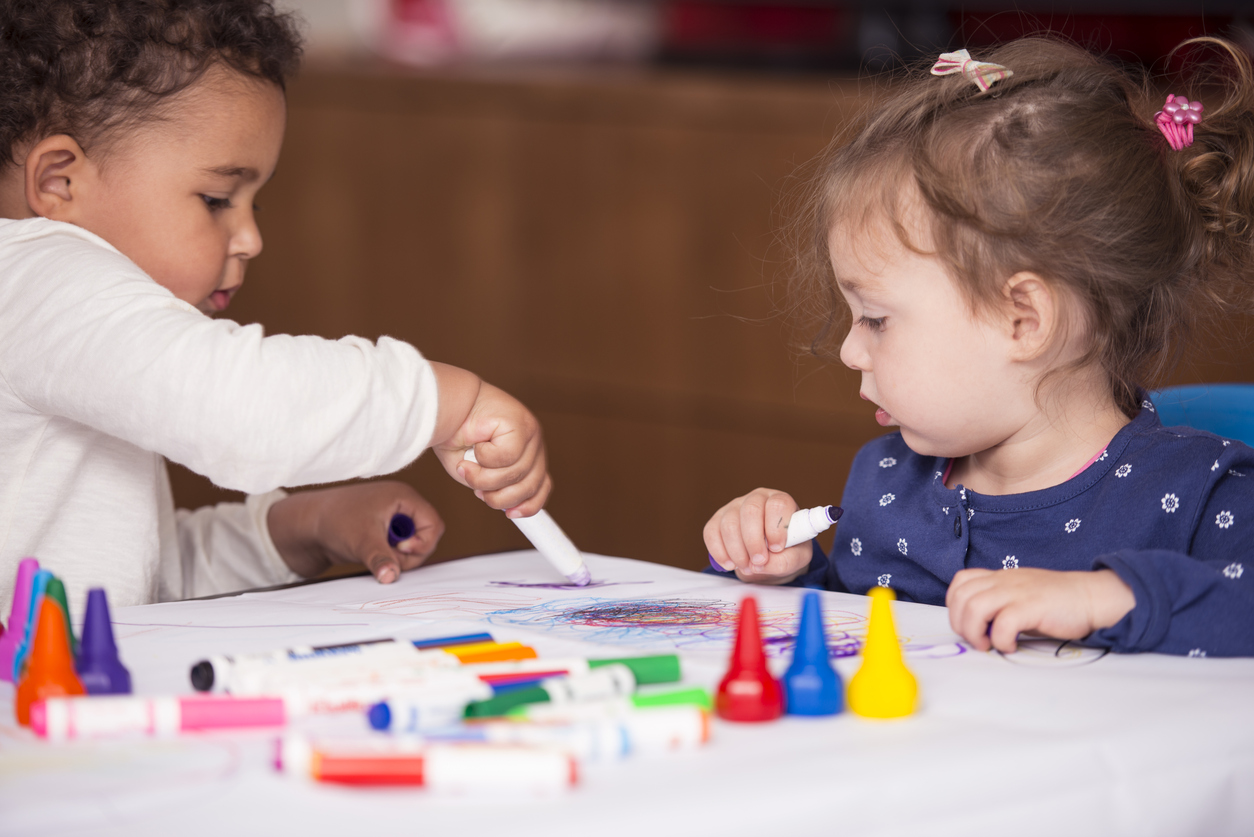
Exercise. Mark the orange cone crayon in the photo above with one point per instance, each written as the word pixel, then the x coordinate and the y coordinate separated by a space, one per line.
pixel 748 692
pixel 50 666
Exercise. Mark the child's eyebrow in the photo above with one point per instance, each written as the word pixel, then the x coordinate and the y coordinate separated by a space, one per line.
pixel 245 173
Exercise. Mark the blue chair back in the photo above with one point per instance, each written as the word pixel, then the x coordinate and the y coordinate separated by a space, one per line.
pixel 1223 409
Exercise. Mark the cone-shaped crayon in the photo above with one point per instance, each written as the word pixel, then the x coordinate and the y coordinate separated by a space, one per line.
pixel 56 591
pixel 98 666
pixel 883 686
pixel 50 668
pixel 748 692
pixel 19 615
pixel 37 587
pixel 811 685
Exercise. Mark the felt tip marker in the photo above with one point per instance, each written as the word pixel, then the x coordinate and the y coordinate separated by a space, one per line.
pixel 65 718
pixel 804 525
pixel 440 768
pixel 645 732
pixel 600 683
pixel 550 541
pixel 216 671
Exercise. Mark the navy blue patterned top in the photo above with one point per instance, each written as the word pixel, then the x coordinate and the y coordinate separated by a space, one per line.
pixel 1171 510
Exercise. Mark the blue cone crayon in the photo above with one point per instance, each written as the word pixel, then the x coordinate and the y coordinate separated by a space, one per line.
pixel 400 529
pixel 811 685
pixel 38 585
pixel 98 666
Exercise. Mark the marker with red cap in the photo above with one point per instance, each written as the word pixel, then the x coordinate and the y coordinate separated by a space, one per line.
pixel 455 768
pixel 62 719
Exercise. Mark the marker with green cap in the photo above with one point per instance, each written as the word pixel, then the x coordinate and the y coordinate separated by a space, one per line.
pixel 693 696
pixel 56 591
pixel 600 683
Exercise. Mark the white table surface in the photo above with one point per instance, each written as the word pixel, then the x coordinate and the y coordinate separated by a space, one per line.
pixel 1069 743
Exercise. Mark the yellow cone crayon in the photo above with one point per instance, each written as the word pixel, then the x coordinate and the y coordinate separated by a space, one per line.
pixel 883 686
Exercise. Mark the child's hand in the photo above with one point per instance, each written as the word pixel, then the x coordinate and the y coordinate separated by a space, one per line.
pixel 748 535
pixel 348 524
pixel 1063 605
pixel 510 473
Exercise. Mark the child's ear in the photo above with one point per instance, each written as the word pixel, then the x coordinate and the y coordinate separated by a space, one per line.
pixel 56 169
pixel 1033 315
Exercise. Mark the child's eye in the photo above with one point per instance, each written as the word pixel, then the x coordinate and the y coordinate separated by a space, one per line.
pixel 873 323
pixel 215 204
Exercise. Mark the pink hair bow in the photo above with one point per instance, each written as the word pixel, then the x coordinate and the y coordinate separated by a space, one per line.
pixel 981 72
pixel 1176 121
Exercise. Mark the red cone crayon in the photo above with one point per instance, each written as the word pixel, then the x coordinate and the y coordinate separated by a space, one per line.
pixel 50 666
pixel 748 692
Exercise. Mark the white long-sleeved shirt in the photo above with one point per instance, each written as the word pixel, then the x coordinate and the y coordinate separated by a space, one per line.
pixel 103 372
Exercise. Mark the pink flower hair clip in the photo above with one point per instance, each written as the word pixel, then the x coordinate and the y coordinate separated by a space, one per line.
pixel 1176 120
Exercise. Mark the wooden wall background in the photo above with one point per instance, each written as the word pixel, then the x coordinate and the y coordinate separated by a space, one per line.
pixel 603 246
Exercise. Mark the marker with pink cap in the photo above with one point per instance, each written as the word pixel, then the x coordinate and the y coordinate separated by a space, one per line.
pixel 19 615
pixel 64 719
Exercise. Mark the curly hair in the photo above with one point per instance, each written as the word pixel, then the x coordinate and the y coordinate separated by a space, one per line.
pixel 89 68
pixel 1061 171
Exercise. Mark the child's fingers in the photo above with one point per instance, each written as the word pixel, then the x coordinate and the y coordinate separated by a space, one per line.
pixel 713 538
pixel 498 467
pixel 385 568
pixel 753 529
pixel 733 541
pixel 781 567
pixel 777 514
pixel 972 606
pixel 522 500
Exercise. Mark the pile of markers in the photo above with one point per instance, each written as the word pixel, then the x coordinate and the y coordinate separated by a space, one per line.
pixel 39 652
pixel 460 713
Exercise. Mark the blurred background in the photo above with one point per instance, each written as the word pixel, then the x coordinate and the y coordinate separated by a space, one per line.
pixel 583 202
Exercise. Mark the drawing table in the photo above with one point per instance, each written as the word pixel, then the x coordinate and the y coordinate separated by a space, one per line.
pixel 1045 742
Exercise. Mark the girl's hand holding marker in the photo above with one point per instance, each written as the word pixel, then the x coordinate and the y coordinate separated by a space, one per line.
pixel 764 537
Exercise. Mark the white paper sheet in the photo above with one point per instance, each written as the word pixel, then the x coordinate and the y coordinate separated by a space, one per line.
pixel 1036 743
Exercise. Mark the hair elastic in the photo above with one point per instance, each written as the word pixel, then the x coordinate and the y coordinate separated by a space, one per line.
pixel 1176 121
pixel 983 73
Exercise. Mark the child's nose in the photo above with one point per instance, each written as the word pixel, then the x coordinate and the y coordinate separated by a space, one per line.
pixel 853 353
pixel 246 242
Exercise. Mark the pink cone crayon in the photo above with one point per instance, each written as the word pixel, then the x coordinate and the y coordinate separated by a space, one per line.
pixel 19 615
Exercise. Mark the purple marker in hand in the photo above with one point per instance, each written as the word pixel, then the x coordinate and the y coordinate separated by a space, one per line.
pixel 804 525
pixel 400 529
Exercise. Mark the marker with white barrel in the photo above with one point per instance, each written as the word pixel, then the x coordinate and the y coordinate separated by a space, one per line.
pixel 550 541
pixel 804 525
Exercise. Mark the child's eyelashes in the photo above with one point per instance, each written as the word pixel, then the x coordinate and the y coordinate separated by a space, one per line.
pixel 872 323
pixel 215 204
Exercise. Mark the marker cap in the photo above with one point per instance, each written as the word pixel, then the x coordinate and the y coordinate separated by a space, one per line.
pixel 660 668
pixel 19 615
pixel 98 666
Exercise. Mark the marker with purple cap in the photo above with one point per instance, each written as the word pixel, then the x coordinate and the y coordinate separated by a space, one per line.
pixel 550 541
pixel 804 525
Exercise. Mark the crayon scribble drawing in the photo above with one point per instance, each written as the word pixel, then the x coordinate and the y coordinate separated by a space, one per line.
pixel 550 585
pixel 690 624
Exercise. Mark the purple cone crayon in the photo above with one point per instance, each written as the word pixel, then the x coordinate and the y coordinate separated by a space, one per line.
pixel 400 529
pixel 19 615
pixel 37 587
pixel 811 685
pixel 98 666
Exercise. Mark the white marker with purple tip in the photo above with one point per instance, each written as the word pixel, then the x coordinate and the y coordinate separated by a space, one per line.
pixel 550 541
pixel 804 525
